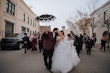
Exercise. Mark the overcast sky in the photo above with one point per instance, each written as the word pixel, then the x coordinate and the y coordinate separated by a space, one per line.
pixel 62 9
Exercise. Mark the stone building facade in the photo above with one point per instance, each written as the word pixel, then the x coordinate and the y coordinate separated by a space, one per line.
pixel 98 16
pixel 16 17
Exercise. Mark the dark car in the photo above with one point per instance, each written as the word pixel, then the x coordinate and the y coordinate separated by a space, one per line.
pixel 14 41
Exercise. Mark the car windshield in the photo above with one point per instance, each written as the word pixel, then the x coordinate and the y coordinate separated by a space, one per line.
pixel 13 35
pixel 18 35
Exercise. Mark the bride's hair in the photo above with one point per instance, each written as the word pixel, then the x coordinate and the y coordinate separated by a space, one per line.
pixel 69 35
pixel 62 32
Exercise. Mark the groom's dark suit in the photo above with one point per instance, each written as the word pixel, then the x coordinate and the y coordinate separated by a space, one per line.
pixel 48 45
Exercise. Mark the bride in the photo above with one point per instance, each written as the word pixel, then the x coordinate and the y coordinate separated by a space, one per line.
pixel 65 56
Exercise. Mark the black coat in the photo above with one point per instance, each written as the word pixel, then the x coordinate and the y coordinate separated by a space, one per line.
pixel 26 41
pixel 89 43
pixel 78 43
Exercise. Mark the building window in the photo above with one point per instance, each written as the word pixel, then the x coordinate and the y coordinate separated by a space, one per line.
pixel 94 34
pixel 24 17
pixel 13 9
pixel 23 29
pixel 9 27
pixel 28 20
pixel 33 23
pixel 7 5
pixel 10 7
pixel 35 32
pixel 28 30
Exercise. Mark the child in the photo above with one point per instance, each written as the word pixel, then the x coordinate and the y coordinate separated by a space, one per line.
pixel 89 46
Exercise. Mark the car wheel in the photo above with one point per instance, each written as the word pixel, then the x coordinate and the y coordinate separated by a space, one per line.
pixel 20 46
pixel 3 48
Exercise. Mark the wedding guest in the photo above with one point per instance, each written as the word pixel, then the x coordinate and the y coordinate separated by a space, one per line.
pixel 34 43
pixel 40 41
pixel 26 42
pixel 103 42
pixel 89 46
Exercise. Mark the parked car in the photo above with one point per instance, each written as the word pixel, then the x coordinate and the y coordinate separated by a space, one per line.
pixel 13 41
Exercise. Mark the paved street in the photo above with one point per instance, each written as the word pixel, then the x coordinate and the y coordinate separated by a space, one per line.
pixel 15 61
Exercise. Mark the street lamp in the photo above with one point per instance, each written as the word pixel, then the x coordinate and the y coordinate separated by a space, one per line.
pixel 107 22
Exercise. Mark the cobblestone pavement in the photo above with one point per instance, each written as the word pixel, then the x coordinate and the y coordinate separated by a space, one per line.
pixel 15 61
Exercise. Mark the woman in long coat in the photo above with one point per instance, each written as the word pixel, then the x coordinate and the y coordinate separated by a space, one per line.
pixel 34 43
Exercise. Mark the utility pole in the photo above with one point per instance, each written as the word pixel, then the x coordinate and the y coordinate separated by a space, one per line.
pixel 106 21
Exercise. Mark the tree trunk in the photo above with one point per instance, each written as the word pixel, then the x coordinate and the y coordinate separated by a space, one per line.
pixel 93 27
pixel 92 31
pixel 84 32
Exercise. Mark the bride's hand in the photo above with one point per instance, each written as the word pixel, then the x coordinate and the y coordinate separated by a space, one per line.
pixel 60 38
pixel 63 36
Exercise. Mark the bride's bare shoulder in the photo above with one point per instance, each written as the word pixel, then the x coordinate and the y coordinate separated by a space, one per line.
pixel 59 38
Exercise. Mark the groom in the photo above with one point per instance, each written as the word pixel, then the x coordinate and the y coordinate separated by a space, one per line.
pixel 49 40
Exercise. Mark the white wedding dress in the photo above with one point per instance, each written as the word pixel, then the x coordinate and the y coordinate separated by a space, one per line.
pixel 64 57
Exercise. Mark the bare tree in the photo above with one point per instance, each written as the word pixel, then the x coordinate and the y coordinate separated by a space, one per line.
pixel 83 21
pixel 82 14
pixel 83 24
pixel 92 6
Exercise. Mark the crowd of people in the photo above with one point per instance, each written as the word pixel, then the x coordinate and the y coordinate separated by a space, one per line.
pixel 35 42
pixel 83 39
pixel 30 42
pixel 60 50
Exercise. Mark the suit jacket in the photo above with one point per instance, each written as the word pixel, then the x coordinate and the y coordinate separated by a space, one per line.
pixel 48 43
pixel 26 41
pixel 89 43
pixel 54 38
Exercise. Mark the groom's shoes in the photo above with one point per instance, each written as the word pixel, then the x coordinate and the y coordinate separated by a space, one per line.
pixel 51 72
pixel 47 66
pixel 49 69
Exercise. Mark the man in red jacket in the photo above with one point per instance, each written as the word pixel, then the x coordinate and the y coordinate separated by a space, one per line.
pixel 48 46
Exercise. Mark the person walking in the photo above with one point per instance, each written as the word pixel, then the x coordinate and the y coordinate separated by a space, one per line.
pixel 85 41
pixel 34 43
pixel 64 56
pixel 30 38
pixel 79 43
pixel 48 46
pixel 73 35
pixel 40 42
pixel 26 42
pixel 93 42
pixel 103 42
pixel 89 46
